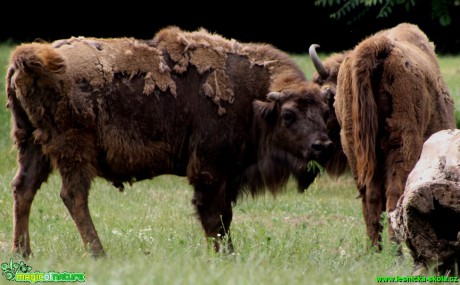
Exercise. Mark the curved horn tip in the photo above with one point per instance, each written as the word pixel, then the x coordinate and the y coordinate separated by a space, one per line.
pixel 317 62
pixel 314 46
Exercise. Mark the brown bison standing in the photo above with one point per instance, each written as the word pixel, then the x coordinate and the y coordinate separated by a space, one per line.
pixel 389 98
pixel 229 116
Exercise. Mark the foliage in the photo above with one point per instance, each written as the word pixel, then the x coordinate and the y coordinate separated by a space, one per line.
pixel 440 8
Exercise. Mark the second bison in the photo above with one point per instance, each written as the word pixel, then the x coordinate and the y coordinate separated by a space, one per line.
pixel 230 116
pixel 389 98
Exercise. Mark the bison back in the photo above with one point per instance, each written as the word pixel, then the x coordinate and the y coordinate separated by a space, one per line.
pixel 391 84
pixel 143 117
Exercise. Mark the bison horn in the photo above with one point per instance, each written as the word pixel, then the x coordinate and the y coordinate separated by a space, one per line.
pixel 317 62
pixel 274 96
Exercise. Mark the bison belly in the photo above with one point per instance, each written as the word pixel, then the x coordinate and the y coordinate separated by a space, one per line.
pixel 139 136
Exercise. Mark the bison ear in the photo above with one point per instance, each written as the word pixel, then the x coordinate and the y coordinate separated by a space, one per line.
pixel 265 110
pixel 328 97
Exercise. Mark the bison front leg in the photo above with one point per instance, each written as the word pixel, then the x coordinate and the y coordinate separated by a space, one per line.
pixel 34 169
pixel 305 178
pixel 215 213
pixel 74 194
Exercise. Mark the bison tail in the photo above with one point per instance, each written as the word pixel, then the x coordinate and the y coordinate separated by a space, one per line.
pixel 38 58
pixel 366 68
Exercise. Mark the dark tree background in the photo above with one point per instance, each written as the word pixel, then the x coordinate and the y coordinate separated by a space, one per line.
pixel 289 25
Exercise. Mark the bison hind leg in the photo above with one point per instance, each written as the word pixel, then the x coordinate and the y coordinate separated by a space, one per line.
pixel 34 169
pixel 74 194
pixel 373 206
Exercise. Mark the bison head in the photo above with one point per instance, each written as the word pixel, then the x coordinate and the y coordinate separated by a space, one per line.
pixel 326 78
pixel 326 72
pixel 294 123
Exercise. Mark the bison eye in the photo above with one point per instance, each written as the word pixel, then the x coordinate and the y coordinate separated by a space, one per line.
pixel 288 117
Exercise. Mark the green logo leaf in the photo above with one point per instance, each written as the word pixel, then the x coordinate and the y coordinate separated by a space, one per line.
pixel 10 269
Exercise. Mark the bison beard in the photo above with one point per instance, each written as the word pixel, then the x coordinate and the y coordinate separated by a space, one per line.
pixel 389 98
pixel 232 117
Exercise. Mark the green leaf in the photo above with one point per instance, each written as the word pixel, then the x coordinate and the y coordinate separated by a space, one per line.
pixel 445 20
pixel 314 165
pixel 320 3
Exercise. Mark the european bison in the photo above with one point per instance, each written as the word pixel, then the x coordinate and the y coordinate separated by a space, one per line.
pixel 389 98
pixel 233 117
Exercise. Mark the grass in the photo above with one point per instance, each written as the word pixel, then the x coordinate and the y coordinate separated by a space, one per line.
pixel 151 235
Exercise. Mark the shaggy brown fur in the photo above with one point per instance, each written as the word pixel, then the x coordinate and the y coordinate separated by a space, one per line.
pixel 390 98
pixel 227 115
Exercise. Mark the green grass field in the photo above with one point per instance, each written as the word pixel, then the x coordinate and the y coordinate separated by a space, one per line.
pixel 151 235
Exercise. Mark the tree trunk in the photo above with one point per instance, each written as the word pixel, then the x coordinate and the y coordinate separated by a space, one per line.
pixel 427 217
